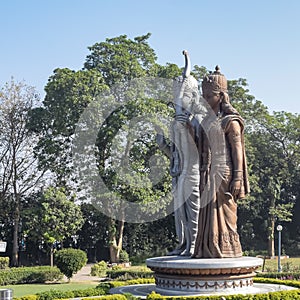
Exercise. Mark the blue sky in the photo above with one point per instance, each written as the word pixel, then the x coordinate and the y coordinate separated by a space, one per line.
pixel 258 40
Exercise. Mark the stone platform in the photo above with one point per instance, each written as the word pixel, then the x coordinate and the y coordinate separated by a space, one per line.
pixel 178 273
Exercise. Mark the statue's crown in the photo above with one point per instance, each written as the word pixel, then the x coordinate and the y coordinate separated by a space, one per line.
pixel 215 81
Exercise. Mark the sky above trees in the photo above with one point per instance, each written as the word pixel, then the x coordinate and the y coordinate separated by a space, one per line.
pixel 257 40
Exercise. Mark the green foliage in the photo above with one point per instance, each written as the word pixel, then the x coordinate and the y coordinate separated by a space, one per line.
pixel 154 296
pixel 29 275
pixel 52 215
pixel 122 59
pixel 112 297
pixel 114 284
pixel 116 267
pixel 61 217
pixel 123 257
pixel 54 294
pixel 94 227
pixel 274 296
pixel 280 276
pixel 67 94
pixel 282 295
pixel 4 263
pixel 70 261
pixel 27 297
pixel 129 274
pixel 99 269
pixel 150 239
pixel 272 146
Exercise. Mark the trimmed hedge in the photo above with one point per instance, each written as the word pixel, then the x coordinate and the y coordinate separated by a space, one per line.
pixel 108 297
pixel 27 297
pixel 54 294
pixel 281 295
pixel 111 297
pixel 4 263
pixel 29 275
pixel 281 275
pixel 293 283
pixel 114 284
pixel 284 295
pixel 128 274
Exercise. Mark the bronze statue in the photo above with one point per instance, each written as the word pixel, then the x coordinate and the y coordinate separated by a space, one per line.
pixel 208 184
pixel 208 167
pixel 224 177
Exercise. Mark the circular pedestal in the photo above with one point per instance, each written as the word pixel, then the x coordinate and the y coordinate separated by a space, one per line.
pixel 203 275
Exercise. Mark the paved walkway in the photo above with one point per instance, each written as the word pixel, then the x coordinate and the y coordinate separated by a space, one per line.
pixel 85 275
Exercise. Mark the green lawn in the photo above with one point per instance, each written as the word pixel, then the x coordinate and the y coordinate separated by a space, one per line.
pixel 30 289
pixel 287 264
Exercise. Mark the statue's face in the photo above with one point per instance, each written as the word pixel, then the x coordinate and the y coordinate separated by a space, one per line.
pixel 185 99
pixel 187 102
pixel 212 98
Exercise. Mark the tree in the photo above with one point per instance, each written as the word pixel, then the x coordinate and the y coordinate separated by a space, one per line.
pixel 277 162
pixel 117 60
pixel 55 218
pixel 120 59
pixel 272 148
pixel 93 233
pixel 18 166
pixel 67 94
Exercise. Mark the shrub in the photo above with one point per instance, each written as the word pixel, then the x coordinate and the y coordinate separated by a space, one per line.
pixel 114 284
pixel 153 295
pixel 293 283
pixel 27 297
pixel 281 275
pixel 4 263
pixel 54 294
pixel 283 295
pixel 129 274
pixel 116 267
pixel 70 261
pixel 23 275
pixel 112 297
pixel 99 269
pixel 124 257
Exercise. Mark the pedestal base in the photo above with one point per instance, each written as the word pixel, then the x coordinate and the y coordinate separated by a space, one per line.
pixel 203 275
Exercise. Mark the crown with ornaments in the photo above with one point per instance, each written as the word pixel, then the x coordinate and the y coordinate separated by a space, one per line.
pixel 215 82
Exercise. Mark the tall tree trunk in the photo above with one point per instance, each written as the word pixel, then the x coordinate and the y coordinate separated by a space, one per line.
pixel 115 239
pixel 112 240
pixel 51 255
pixel 15 247
pixel 271 228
